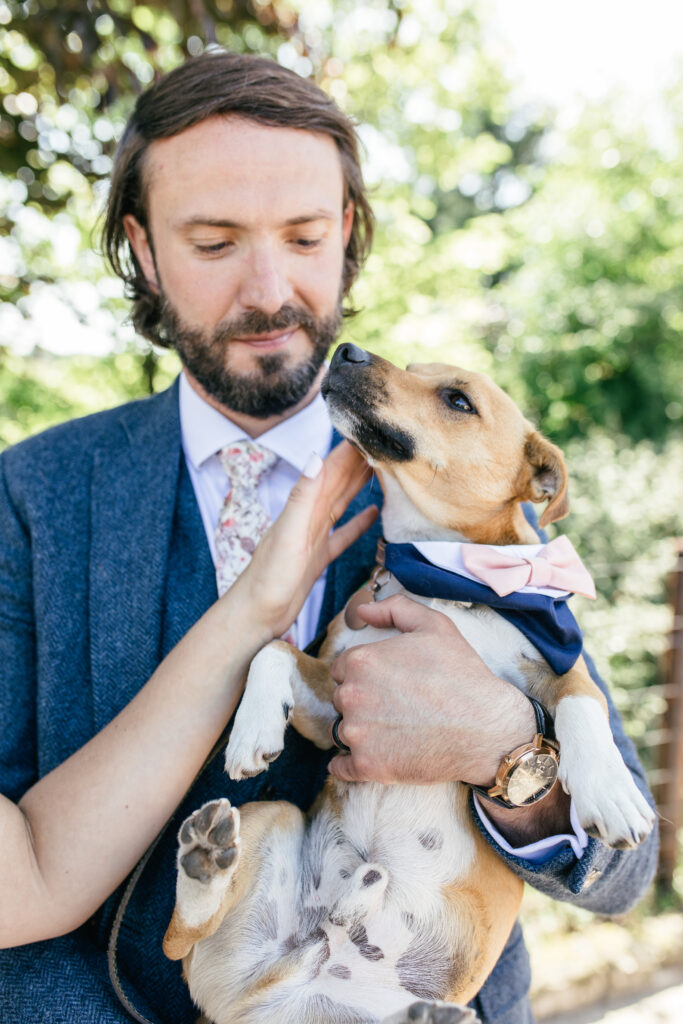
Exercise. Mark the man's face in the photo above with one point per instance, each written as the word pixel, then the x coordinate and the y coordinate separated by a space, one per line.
pixel 247 230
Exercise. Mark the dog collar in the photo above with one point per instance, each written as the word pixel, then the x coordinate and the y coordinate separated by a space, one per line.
pixel 554 569
pixel 544 619
pixel 379 579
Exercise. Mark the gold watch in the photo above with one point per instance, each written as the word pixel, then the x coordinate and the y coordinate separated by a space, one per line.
pixel 529 772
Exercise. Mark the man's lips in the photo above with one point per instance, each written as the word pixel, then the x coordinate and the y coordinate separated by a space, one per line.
pixel 271 340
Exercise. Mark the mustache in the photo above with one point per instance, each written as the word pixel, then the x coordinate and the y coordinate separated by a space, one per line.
pixel 257 322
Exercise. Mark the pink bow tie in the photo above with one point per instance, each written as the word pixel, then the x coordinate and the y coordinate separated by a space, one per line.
pixel 556 565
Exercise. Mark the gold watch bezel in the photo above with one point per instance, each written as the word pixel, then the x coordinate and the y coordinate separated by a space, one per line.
pixel 540 745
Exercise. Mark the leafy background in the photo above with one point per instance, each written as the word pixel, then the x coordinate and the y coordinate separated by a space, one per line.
pixel 547 251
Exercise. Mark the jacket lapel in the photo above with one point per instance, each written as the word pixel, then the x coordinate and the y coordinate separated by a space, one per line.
pixel 134 486
pixel 351 570
pixel 190 587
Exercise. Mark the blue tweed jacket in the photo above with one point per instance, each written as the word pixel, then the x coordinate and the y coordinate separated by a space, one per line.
pixel 104 566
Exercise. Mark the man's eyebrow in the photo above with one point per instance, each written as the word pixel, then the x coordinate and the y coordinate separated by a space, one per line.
pixel 199 220
pixel 306 218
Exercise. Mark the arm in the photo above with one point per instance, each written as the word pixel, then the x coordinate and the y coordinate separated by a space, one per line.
pixel 77 832
pixel 464 723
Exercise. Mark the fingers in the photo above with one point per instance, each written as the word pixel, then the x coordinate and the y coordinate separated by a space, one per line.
pixel 345 768
pixel 346 473
pixel 344 765
pixel 329 486
pixel 400 612
pixel 311 482
pixel 342 538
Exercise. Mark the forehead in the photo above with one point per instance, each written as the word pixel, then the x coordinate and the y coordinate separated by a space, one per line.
pixel 230 161
pixel 479 387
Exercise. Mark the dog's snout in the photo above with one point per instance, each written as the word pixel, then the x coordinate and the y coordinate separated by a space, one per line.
pixel 349 353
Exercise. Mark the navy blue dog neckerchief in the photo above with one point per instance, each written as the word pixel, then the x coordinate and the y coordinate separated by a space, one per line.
pixel 546 621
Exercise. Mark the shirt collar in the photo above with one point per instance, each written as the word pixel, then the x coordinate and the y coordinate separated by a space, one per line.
pixel 204 430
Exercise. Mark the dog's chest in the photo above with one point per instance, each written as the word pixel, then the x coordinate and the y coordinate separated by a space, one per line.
pixel 500 645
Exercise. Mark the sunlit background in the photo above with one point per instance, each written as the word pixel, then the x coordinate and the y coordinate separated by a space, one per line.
pixel 526 165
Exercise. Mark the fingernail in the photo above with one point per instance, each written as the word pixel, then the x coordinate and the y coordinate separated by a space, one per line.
pixel 313 466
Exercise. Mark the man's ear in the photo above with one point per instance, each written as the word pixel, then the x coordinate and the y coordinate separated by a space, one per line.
pixel 347 221
pixel 544 475
pixel 139 243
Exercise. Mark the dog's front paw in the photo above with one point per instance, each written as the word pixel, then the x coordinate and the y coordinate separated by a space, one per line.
pixel 257 738
pixel 424 1012
pixel 607 801
pixel 612 808
pixel 258 733
pixel 209 842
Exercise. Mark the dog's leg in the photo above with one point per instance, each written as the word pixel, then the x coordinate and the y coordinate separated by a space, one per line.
pixel 424 1012
pixel 608 803
pixel 283 684
pixel 212 842
pixel 208 854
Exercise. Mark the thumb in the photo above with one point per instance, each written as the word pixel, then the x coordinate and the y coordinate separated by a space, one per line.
pixel 399 612
pixel 305 494
pixel 310 483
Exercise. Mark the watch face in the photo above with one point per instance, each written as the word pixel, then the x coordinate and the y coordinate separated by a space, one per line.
pixel 531 779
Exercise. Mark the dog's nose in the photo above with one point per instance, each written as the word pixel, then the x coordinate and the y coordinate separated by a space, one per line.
pixel 349 353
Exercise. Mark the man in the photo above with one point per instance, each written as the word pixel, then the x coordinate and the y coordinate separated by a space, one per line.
pixel 238 219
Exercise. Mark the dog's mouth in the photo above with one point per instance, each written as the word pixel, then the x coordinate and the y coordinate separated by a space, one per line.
pixel 377 440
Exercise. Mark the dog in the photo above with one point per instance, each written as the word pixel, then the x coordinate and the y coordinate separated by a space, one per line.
pixel 385 903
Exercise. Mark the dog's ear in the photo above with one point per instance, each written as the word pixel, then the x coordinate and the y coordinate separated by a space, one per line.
pixel 544 475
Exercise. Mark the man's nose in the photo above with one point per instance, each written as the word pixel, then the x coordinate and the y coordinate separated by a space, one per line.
pixel 265 284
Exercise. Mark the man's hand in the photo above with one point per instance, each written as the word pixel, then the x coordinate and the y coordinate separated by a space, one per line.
pixel 422 707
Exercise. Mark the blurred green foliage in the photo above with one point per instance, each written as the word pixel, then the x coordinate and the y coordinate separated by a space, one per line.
pixel 548 254
pixel 42 389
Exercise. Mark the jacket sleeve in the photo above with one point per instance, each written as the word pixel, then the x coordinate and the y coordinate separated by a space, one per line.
pixel 603 880
pixel 18 755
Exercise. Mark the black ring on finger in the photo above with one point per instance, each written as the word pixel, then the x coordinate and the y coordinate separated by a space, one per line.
pixel 335 735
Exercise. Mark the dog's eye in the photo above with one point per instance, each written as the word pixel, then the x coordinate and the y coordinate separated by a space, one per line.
pixel 457 400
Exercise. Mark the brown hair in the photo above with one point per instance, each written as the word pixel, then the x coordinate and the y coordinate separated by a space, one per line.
pixel 214 84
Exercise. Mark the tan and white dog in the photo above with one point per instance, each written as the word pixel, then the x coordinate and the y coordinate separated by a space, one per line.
pixel 384 895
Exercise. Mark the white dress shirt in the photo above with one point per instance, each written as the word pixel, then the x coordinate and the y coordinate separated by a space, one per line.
pixel 204 432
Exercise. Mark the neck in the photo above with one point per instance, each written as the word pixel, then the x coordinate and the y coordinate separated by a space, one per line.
pixel 403 522
pixel 251 425
pixel 507 527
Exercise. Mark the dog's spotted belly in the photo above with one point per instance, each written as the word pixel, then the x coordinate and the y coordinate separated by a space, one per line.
pixel 344 921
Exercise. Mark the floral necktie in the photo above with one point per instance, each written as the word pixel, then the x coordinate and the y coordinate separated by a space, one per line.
pixel 243 520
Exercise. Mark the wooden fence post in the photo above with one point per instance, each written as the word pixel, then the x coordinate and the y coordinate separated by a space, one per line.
pixel 669 792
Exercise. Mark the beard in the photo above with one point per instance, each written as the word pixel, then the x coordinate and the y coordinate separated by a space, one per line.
pixel 274 386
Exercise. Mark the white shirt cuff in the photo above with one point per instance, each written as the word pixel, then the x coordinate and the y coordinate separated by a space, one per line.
pixel 543 849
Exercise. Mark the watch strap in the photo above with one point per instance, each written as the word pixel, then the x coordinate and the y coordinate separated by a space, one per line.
pixel 544 721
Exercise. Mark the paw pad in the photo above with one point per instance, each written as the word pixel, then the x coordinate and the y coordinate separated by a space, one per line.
pixel 209 841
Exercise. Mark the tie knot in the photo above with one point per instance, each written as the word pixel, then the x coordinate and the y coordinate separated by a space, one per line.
pixel 541 574
pixel 245 462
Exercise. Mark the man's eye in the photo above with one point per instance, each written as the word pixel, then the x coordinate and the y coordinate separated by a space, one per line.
pixel 457 400
pixel 307 243
pixel 213 248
